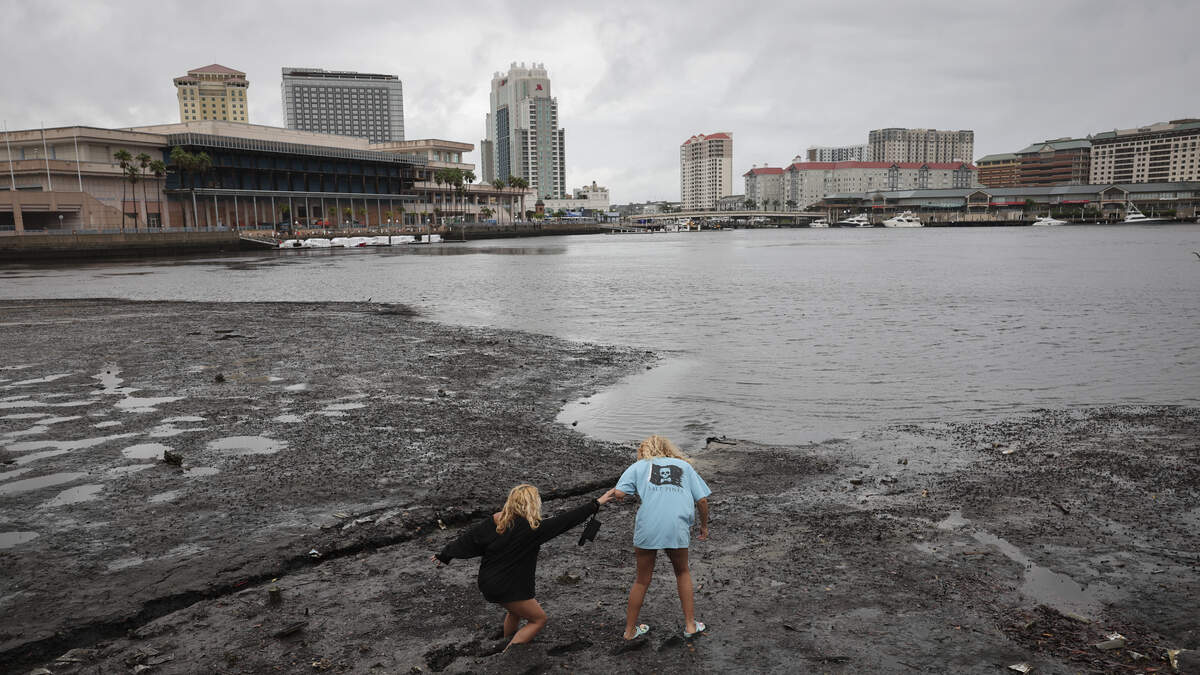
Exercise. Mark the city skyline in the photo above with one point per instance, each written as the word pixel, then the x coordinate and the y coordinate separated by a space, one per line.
pixel 630 88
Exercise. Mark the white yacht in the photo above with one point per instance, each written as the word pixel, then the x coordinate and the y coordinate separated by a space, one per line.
pixel 861 220
pixel 819 222
pixel 906 219
pixel 1046 221
pixel 1135 217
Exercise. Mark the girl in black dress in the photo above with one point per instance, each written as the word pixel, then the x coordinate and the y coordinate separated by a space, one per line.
pixel 509 542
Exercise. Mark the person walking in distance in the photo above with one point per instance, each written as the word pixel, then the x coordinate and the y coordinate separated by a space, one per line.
pixel 509 542
pixel 671 493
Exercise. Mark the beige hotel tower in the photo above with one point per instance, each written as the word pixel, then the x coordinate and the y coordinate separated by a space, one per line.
pixel 213 93
pixel 705 170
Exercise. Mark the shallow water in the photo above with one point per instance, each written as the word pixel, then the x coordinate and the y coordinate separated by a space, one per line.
pixel 773 335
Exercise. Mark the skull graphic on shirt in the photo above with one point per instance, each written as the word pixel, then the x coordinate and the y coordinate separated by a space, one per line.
pixel 666 475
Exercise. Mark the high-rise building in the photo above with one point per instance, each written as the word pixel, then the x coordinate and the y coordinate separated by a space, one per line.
pixel 836 153
pixel 523 138
pixel 921 145
pixel 366 105
pixel 1063 161
pixel 705 170
pixel 999 170
pixel 212 93
pixel 1163 152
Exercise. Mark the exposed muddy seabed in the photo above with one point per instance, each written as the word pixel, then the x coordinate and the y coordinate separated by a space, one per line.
pixel 352 430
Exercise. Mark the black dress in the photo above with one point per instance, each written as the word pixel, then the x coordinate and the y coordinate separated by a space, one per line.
pixel 510 560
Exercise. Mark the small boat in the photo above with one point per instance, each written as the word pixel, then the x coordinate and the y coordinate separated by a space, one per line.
pixel 861 220
pixel 819 222
pixel 1047 221
pixel 906 219
pixel 1135 217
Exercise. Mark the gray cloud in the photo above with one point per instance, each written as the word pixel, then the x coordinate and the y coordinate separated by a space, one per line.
pixel 636 79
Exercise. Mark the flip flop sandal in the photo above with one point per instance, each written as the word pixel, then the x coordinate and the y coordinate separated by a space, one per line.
pixel 638 632
pixel 699 629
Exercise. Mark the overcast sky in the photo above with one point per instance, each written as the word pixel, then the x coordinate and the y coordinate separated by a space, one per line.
pixel 636 79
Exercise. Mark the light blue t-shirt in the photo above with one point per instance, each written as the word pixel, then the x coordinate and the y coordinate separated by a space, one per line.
pixel 669 489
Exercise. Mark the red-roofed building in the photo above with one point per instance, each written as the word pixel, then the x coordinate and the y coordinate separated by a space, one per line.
pixel 764 187
pixel 214 92
pixel 807 183
pixel 705 170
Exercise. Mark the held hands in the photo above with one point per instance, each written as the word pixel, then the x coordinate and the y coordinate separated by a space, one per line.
pixel 703 536
pixel 435 560
pixel 609 496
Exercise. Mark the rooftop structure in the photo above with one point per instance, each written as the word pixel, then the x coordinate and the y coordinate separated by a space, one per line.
pixel 368 105
pixel 214 92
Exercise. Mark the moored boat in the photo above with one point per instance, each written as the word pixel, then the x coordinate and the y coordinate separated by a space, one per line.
pixel 906 219
pixel 861 220
pixel 1134 216
pixel 1047 221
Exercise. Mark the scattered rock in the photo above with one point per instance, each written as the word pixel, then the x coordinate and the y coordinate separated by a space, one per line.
pixel 220 377
pixel 173 458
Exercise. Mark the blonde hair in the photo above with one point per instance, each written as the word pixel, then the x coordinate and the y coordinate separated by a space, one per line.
pixel 657 446
pixel 523 501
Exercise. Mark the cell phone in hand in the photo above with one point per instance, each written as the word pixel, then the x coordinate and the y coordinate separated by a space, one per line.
pixel 589 531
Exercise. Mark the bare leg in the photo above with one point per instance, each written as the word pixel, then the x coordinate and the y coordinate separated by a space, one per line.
pixel 532 612
pixel 683 581
pixel 511 623
pixel 637 594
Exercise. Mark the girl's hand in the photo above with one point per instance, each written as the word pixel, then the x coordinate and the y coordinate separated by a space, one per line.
pixel 435 560
pixel 703 536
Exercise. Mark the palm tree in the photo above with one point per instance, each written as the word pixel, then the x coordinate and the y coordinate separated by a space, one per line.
pixel 143 161
pixel 123 160
pixel 486 213
pixel 749 204
pixel 347 213
pixel 158 169
pixel 362 214
pixel 518 183
pixel 791 204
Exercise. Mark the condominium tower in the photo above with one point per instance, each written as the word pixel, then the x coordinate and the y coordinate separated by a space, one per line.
pixel 346 103
pixel 523 138
pixel 921 145
pixel 836 153
pixel 212 93
pixel 705 170
pixel 1162 152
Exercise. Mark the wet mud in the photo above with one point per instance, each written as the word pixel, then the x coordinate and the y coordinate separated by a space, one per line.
pixel 328 450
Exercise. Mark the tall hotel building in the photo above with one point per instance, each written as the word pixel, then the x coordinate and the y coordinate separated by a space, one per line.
pixel 705 170
pixel 838 153
pixel 1163 152
pixel 523 136
pixel 366 105
pixel 920 145
pixel 212 93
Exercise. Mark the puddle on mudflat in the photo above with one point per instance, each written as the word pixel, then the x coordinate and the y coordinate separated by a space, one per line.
pixel 303 386
pixel 139 404
pixel 183 418
pixel 192 370
pixel 23 416
pixel 125 563
pixel 11 539
pixel 170 430
pixel 200 472
pixel 126 470
pixel 953 521
pixel 75 495
pixel 161 497
pixel 35 456
pixel 288 418
pixel 344 406
pixel 28 484
pixel 6 405
pixel 9 475
pixel 1040 584
pixel 145 451
pixel 105 425
pixel 39 380
pixel 43 425
pixel 26 446
pixel 110 381
pixel 247 445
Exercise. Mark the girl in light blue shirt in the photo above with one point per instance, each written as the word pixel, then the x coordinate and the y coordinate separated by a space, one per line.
pixel 671 492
